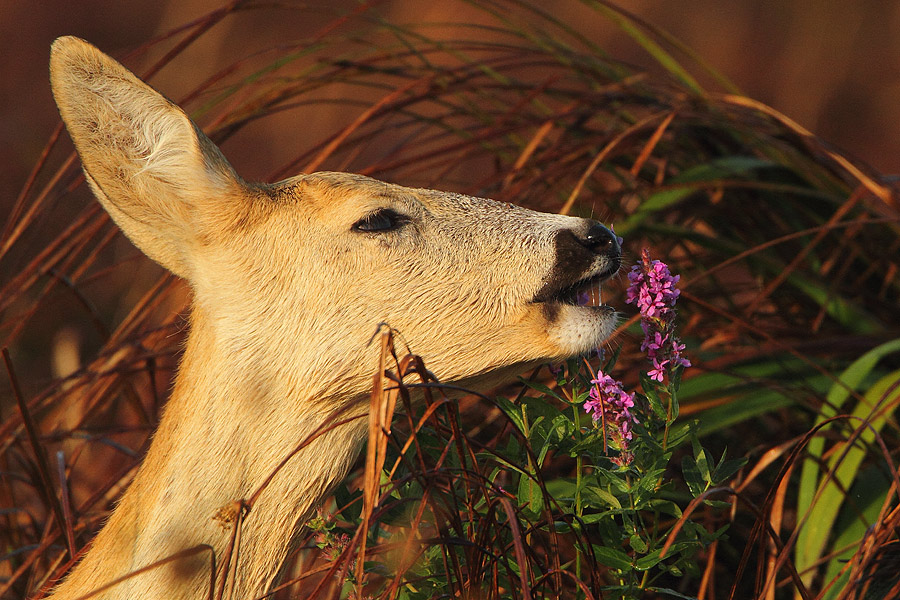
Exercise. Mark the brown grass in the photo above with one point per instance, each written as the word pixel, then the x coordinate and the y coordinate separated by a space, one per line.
pixel 788 252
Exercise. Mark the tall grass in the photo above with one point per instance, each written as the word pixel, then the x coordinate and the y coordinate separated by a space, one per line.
pixel 788 253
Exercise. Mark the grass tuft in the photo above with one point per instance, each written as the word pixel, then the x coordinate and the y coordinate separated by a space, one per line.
pixel 788 253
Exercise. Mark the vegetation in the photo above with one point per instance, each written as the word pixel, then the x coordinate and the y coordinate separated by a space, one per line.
pixel 765 470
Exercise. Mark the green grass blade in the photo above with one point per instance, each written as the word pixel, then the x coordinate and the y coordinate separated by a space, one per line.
pixel 812 539
pixel 655 50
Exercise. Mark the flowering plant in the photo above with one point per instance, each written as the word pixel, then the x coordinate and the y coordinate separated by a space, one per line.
pixel 652 289
pixel 584 467
pixel 621 490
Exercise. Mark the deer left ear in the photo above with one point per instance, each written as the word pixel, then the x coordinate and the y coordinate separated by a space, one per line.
pixel 163 181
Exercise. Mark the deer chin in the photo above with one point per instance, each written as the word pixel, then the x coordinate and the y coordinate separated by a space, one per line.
pixel 577 330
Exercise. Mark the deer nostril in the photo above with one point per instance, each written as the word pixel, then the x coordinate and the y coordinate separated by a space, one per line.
pixel 601 240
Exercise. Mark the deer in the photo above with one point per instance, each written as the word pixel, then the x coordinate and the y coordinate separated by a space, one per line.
pixel 289 281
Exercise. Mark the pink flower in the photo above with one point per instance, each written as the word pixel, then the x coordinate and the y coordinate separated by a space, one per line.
pixel 653 290
pixel 658 372
pixel 609 403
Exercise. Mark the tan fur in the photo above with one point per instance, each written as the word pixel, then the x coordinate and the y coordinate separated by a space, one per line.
pixel 287 297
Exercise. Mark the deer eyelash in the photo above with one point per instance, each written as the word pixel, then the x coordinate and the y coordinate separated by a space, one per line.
pixel 384 219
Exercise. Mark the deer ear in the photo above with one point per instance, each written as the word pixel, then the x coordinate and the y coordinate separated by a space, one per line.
pixel 163 182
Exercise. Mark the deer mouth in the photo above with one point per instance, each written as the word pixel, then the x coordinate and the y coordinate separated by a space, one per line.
pixel 584 292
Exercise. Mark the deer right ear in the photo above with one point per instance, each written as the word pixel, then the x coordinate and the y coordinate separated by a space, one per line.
pixel 163 182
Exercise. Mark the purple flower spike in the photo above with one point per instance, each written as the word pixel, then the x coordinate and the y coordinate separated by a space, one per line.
pixel 609 403
pixel 653 290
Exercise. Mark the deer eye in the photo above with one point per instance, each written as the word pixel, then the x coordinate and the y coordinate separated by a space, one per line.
pixel 380 220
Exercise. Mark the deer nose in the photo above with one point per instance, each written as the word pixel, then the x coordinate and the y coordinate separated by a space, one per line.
pixel 601 240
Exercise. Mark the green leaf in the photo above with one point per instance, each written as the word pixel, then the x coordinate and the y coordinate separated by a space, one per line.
pixel 615 480
pixel 868 495
pixel 651 560
pixel 512 411
pixel 681 432
pixel 675 409
pixel 844 463
pixel 677 375
pixel 692 476
pixel 352 500
pixel 613 557
pixel 543 389
pixel 666 507
pixel 530 495
pixel 597 497
pixel 656 404
pixel 562 489
pixel 655 50
pixel 588 445
pixel 742 409
pixel 726 468
pixel 702 462
pixel 727 167
pixel 638 544
pixel 649 479
pixel 689 182
pixel 669 592
pixel 813 537
pixel 591 518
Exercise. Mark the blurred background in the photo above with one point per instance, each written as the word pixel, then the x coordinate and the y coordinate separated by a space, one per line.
pixel 832 66
pixel 788 258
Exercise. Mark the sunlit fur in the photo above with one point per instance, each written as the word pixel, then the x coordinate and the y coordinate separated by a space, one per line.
pixel 287 296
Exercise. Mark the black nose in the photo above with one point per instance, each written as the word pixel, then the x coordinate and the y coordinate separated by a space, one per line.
pixel 601 240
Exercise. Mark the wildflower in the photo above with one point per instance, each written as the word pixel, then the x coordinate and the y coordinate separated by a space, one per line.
pixel 653 290
pixel 610 404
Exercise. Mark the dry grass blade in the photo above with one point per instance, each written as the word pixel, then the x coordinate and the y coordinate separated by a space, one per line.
pixel 880 191
pixel 787 251
pixel 651 144
pixel 604 154
pixel 65 503
pixel 519 547
pixel 776 518
pixel 15 228
pixel 187 553
pixel 7 238
pixel 835 218
pixel 381 413
pixel 46 486
pixel 528 151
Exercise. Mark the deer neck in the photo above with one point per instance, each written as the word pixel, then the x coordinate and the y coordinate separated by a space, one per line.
pixel 222 435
